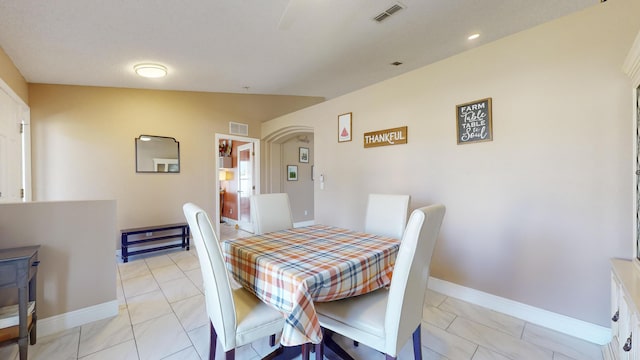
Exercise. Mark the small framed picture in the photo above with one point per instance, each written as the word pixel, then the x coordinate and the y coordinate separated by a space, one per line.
pixel 304 155
pixel 292 172
pixel 344 127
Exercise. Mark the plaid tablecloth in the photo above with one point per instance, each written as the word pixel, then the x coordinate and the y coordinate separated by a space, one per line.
pixel 291 269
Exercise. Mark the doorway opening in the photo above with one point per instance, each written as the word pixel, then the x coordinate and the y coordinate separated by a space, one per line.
pixel 238 178
pixel 291 147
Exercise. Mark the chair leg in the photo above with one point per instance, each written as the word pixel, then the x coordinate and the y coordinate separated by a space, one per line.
pixel 319 351
pixel 305 351
pixel 331 344
pixel 417 344
pixel 212 341
pixel 230 355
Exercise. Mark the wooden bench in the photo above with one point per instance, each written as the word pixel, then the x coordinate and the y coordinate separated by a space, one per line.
pixel 178 231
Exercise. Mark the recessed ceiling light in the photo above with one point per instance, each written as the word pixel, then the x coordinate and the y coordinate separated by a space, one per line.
pixel 474 36
pixel 150 70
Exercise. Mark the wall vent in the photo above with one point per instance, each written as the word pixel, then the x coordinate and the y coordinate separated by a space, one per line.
pixel 390 11
pixel 238 129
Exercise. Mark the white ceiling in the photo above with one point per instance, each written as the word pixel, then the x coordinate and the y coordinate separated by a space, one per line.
pixel 288 47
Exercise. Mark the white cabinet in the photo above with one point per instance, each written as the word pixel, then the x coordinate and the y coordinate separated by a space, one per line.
pixel 625 312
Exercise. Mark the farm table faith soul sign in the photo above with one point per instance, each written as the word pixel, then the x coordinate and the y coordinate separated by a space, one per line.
pixel 474 121
pixel 387 137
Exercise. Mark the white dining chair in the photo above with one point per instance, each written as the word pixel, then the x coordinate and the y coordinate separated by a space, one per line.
pixel 385 319
pixel 387 214
pixel 236 316
pixel 271 212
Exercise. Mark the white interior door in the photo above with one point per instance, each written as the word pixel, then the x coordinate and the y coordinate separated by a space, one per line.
pixel 246 186
pixel 11 172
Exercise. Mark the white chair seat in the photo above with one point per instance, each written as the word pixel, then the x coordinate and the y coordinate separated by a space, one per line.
pixel 254 318
pixel 365 313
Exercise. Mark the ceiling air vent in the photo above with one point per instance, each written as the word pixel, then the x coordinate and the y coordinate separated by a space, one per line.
pixel 238 129
pixel 390 11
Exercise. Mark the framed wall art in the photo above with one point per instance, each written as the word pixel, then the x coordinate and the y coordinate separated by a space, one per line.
pixel 303 155
pixel 292 172
pixel 344 127
pixel 474 121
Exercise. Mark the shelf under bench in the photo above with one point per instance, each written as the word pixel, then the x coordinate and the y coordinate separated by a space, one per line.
pixel 176 231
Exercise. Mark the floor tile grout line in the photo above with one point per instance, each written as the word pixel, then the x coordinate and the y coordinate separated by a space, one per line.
pixel 78 356
pixel 176 315
pixel 171 307
pixel 524 328
pixel 521 337
pixel 126 302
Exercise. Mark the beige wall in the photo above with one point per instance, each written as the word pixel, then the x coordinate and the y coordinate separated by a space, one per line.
pixel 77 268
pixel 83 145
pixel 12 76
pixel 534 215
pixel 300 191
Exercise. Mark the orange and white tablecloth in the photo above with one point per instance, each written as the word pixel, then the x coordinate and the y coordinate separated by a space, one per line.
pixel 290 269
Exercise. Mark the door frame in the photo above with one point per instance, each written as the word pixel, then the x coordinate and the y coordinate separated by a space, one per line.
pixel 252 157
pixel 256 172
pixel 24 118
pixel 631 67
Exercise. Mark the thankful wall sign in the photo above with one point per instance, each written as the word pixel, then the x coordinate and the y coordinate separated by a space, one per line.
pixel 395 136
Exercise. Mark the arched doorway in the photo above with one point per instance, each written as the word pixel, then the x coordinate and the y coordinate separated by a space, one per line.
pixel 280 150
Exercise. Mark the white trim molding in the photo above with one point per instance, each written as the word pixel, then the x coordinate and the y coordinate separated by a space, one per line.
pixel 304 223
pixel 57 323
pixel 577 328
pixel 631 65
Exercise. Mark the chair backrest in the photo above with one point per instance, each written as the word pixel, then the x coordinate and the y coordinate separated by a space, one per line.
pixel 410 275
pixel 271 212
pixel 217 289
pixel 387 215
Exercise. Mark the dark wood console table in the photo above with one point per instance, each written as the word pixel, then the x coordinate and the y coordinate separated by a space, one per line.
pixel 18 269
pixel 180 231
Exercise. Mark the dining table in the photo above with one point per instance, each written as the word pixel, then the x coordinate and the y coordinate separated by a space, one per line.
pixel 293 268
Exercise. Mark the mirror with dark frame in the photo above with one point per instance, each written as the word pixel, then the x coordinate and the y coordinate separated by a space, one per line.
pixel 157 154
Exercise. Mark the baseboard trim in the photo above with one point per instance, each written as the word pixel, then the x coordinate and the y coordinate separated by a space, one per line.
pixel 577 328
pixel 304 223
pixel 229 221
pixel 57 323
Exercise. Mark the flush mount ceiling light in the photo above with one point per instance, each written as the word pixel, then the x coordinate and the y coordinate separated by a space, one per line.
pixel 150 70
pixel 473 36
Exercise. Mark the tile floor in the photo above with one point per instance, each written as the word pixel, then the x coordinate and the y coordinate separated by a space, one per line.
pixel 162 316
